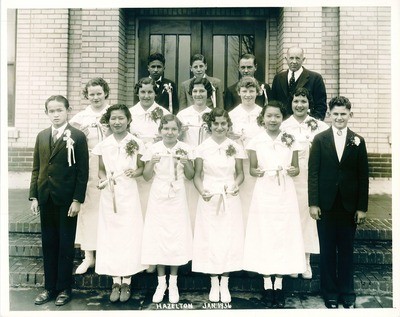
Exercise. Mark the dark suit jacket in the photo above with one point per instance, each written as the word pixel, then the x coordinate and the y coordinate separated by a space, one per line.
pixel 186 100
pixel 232 99
pixel 308 79
pixel 51 175
pixel 162 97
pixel 327 176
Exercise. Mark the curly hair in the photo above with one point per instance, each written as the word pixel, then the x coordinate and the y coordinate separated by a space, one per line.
pixel 168 118
pixel 105 119
pixel 201 81
pixel 209 117
pixel 145 81
pixel 247 82
pixel 98 81
pixel 274 104
pixel 302 92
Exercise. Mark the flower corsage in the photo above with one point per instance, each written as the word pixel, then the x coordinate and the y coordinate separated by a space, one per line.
pixel 180 152
pixel 131 148
pixel 354 140
pixel 70 147
pixel 156 114
pixel 312 124
pixel 168 89
pixel 230 151
pixel 287 139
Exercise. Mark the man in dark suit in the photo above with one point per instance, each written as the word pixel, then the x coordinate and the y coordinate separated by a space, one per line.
pixel 57 189
pixel 247 67
pixel 285 84
pixel 156 67
pixel 338 199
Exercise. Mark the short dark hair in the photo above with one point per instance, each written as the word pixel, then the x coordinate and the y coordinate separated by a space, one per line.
pixel 58 98
pixel 302 92
pixel 248 56
pixel 98 81
pixel 168 118
pixel 209 117
pixel 198 57
pixel 339 101
pixel 105 119
pixel 201 81
pixel 145 81
pixel 273 104
pixel 156 57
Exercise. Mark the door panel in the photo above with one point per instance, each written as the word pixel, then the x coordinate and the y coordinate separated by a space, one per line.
pixel 221 42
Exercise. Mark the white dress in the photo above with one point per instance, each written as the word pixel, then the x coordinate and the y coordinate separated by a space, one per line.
pixel 86 230
pixel 219 235
pixel 274 242
pixel 195 135
pixel 146 129
pixel 167 235
pixel 119 229
pixel 304 133
pixel 244 123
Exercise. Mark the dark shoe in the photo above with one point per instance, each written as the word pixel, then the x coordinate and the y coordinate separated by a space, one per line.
pixel 63 298
pixel 125 293
pixel 45 296
pixel 279 298
pixel 116 290
pixel 349 304
pixel 348 300
pixel 269 298
pixel 331 303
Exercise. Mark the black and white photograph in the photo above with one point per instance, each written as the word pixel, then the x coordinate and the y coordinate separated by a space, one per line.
pixel 199 158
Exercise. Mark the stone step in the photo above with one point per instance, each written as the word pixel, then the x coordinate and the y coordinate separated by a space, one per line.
pixel 365 251
pixel 368 279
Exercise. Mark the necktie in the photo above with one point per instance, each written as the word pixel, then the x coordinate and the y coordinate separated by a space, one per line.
pixel 54 136
pixel 339 132
pixel 292 83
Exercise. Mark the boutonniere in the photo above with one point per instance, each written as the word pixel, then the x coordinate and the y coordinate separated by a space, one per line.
pixel 131 148
pixel 156 114
pixel 287 139
pixel 312 124
pixel 230 151
pixel 181 152
pixel 70 147
pixel 167 88
pixel 354 140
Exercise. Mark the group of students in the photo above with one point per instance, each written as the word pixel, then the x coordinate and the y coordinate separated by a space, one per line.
pixel 228 191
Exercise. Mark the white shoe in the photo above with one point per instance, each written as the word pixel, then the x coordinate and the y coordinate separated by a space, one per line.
pixel 84 266
pixel 214 291
pixel 308 273
pixel 159 294
pixel 224 290
pixel 173 296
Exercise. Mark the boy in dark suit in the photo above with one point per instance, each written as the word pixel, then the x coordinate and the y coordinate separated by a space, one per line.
pixel 57 189
pixel 338 199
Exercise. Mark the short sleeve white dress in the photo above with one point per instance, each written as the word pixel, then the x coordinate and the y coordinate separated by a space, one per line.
pixel 274 242
pixel 304 133
pixel 167 235
pixel 219 233
pixel 120 223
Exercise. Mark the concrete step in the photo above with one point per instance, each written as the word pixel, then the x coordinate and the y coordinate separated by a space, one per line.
pixel 369 279
pixel 365 251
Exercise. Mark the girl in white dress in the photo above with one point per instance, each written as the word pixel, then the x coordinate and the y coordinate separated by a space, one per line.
pixel 146 116
pixel 219 235
pixel 167 235
pixel 120 226
pixel 274 242
pixel 194 130
pixel 88 121
pixel 244 128
pixel 304 128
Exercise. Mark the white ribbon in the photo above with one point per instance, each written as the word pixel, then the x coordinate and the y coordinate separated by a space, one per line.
pixel 71 151
pixel 110 180
pixel 213 96
pixel 222 199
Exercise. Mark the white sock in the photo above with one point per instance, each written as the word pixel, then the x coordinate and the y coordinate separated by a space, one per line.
pixel 308 258
pixel 267 282
pixel 127 280
pixel 162 280
pixel 89 256
pixel 173 279
pixel 116 280
pixel 278 282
